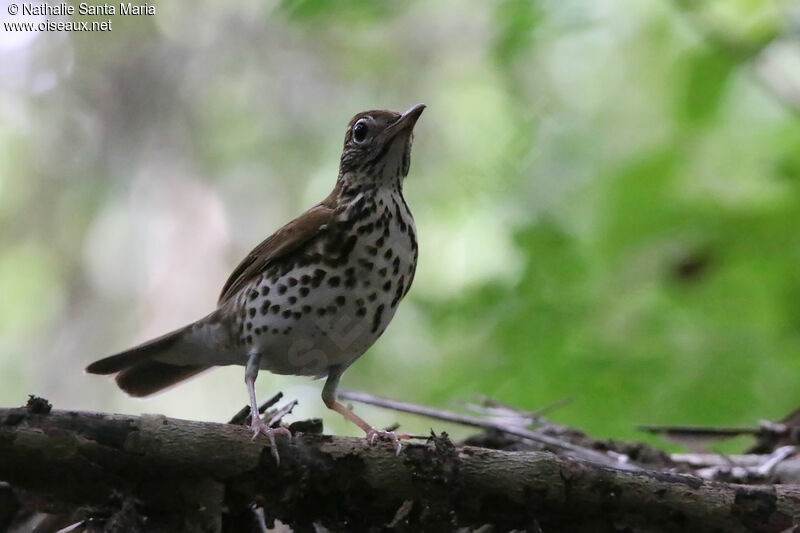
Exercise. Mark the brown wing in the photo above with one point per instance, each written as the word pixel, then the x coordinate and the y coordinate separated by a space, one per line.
pixel 287 239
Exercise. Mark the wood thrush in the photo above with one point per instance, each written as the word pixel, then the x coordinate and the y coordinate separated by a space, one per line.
pixel 316 294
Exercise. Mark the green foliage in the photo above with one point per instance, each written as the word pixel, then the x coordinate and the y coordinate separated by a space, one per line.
pixel 515 21
pixel 707 74
pixel 351 11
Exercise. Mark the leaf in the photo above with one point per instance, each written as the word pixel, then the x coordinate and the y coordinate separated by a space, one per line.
pixel 516 21
pixel 703 89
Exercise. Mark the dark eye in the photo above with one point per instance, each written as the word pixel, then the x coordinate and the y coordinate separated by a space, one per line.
pixel 360 131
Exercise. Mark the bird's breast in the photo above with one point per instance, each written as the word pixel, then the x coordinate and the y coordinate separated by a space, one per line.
pixel 327 304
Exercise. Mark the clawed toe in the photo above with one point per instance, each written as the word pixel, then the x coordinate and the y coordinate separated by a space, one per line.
pixel 374 434
pixel 259 427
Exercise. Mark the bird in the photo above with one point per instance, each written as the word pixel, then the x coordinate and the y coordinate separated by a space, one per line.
pixel 315 295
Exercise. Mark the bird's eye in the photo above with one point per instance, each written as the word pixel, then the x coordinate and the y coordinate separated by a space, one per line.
pixel 360 131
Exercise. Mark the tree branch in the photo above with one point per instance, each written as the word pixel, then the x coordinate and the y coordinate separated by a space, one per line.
pixel 176 475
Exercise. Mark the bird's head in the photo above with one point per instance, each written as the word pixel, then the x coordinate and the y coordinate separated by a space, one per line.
pixel 377 147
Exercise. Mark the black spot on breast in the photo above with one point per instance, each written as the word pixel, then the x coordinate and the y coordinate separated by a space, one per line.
pixel 292 282
pixel 252 295
pixel 396 265
pixel 306 308
pixel 350 283
pixel 359 205
pixel 360 302
pixel 382 271
pixel 340 300
pixel 257 331
pixel 372 250
pixel 292 300
pixel 249 326
pixel 296 315
pixel 387 286
pixel 388 254
pixel 412 238
pixel 281 288
pixel 275 308
pixel 399 292
pixel 333 281
pixel 372 296
pixel 321 311
pixel 380 241
pixel 305 279
pixel 361 311
pixel 303 291
pixel 264 290
pixel 376 319
pixel 249 339
pixel 251 312
pixel 348 246
pixel 366 228
pixel 286 314
pixel 369 265
pixel 399 216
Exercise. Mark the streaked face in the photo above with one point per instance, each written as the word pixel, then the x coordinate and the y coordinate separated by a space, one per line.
pixel 377 145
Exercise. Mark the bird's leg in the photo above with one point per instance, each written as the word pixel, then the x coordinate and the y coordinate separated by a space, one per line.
pixel 372 434
pixel 257 424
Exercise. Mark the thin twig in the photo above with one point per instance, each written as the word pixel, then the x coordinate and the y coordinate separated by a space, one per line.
pixel 280 413
pixel 699 460
pixel 538 413
pixel 243 415
pixel 768 466
pixel 512 415
pixel 611 459
pixel 765 428
pixel 500 414
pixel 698 431
pixel 744 468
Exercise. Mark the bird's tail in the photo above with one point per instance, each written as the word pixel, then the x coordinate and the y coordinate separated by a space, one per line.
pixel 152 366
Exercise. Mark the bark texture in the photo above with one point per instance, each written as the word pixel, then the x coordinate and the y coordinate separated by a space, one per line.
pixel 152 473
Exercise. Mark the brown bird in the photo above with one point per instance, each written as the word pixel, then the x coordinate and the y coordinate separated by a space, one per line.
pixel 316 294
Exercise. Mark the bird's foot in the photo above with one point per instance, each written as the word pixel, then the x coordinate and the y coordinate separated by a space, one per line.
pixel 374 434
pixel 260 427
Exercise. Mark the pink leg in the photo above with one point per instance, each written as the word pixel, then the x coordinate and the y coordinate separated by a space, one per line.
pixel 372 434
pixel 257 424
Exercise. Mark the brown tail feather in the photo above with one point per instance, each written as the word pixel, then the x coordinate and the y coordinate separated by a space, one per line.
pixel 143 352
pixel 148 377
pixel 139 373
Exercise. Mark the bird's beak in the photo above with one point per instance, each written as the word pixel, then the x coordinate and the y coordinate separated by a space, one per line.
pixel 407 120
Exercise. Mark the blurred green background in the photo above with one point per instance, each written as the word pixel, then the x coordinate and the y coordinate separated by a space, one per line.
pixel 607 195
